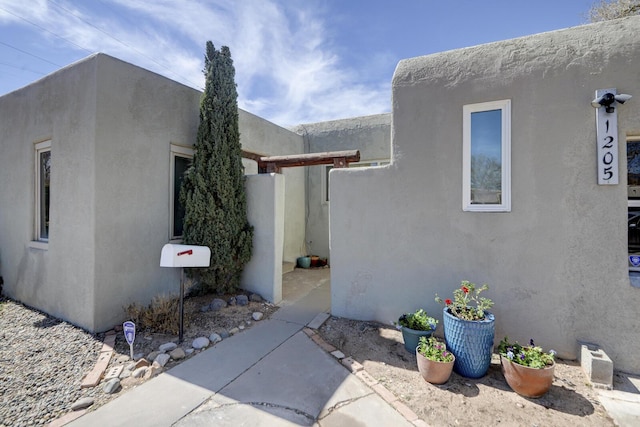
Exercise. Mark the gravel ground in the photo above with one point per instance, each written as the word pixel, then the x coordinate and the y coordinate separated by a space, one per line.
pixel 41 365
pixel 44 359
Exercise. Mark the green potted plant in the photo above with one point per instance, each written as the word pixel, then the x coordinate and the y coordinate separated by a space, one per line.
pixel 469 329
pixel 435 362
pixel 415 325
pixel 527 369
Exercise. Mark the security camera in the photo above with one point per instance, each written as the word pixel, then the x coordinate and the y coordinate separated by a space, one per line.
pixel 608 99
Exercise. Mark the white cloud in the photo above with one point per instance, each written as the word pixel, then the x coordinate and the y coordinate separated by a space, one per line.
pixel 287 68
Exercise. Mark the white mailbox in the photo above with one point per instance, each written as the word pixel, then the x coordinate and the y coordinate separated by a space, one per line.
pixel 185 256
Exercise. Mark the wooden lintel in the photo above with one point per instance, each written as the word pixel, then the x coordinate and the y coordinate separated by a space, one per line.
pixel 311 159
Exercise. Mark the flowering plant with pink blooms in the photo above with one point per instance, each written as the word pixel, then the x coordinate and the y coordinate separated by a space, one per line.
pixel 434 350
pixel 467 303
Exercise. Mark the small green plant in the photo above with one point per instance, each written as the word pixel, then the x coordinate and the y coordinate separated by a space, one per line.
pixel 418 321
pixel 434 350
pixel 530 355
pixel 467 303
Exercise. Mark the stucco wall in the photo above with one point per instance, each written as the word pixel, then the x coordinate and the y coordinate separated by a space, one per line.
pixel 60 107
pixel 370 134
pixel 111 126
pixel 557 263
pixel 263 137
pixel 265 211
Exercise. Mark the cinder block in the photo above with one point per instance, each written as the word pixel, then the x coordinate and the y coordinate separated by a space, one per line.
pixel 597 365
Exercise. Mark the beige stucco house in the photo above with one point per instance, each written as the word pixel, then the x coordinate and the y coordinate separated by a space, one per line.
pixel 553 246
pixel 552 243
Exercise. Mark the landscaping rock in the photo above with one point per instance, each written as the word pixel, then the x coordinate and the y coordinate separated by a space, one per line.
pixel 177 354
pixel 140 363
pixel 217 304
pixel 152 356
pixel 232 301
pixel 83 403
pixel 215 338
pixel 242 300
pixel 257 316
pixel 139 372
pixel 205 308
pixel 199 343
pixel 234 331
pixel 162 359
pixel 111 386
pixel 224 334
pixel 256 298
pixel 167 347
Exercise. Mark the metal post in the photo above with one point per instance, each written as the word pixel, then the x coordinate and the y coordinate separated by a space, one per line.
pixel 180 333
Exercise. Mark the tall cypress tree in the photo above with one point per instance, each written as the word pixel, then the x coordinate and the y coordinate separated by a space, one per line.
pixel 213 191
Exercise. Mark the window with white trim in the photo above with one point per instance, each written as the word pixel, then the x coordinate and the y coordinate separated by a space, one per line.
pixel 42 190
pixel 486 157
pixel 181 158
pixel 327 169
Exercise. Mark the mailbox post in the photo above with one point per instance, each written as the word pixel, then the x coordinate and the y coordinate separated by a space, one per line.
pixel 174 255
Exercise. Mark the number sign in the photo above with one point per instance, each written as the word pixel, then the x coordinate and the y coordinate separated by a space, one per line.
pixel 607 134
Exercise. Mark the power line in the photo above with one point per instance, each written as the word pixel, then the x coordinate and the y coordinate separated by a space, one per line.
pixel 122 42
pixel 30 54
pixel 44 29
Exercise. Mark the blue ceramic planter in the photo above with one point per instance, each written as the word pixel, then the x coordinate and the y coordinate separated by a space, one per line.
pixel 471 342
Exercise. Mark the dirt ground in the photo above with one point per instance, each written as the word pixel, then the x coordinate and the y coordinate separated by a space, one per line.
pixel 487 401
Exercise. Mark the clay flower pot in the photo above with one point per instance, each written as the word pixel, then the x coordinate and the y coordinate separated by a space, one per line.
pixel 433 371
pixel 526 381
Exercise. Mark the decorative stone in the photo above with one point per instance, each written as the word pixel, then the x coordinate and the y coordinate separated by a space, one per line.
pixel 205 308
pixel 138 356
pixel 241 327
pixel 167 347
pixel 83 403
pixel 215 338
pixel 217 304
pixel 139 373
pixel 152 371
pixel 111 386
pixel 162 359
pixel 224 334
pixel 189 351
pixel 140 363
pixel 200 343
pixel 257 316
pixel 152 356
pixel 242 300
pixel 232 301
pixel 177 354
pixel 125 374
pixel 256 298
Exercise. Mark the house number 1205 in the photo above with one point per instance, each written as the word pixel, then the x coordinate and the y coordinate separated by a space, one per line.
pixel 607 133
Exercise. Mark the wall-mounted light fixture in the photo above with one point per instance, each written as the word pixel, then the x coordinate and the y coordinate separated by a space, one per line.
pixel 608 99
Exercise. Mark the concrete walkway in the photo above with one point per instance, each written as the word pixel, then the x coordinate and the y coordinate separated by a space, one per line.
pixel 273 374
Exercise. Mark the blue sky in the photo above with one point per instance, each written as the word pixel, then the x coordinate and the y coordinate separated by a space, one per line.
pixel 297 61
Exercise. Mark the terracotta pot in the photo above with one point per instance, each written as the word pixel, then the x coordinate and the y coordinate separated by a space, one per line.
pixel 527 382
pixel 432 371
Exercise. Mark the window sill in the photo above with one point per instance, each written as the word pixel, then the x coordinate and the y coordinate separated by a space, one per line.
pixel 44 246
